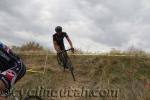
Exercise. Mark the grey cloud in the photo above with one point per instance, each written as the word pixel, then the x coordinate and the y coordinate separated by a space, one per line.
pixel 113 23
pixel 19 15
pixel 116 19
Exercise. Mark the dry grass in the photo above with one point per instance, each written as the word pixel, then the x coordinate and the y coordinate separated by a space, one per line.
pixel 128 74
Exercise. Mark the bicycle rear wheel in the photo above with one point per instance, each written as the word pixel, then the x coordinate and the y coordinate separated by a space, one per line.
pixel 33 98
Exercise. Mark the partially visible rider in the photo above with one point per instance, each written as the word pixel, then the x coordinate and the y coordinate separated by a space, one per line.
pixel 12 69
pixel 58 40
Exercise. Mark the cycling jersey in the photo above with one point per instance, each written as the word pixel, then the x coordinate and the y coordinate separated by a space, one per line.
pixel 58 37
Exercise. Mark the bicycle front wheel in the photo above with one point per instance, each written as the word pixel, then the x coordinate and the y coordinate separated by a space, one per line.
pixel 70 66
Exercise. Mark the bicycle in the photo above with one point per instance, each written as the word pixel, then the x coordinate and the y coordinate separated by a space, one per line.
pixel 64 60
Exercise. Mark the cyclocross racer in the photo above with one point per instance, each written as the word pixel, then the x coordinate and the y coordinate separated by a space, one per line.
pixel 12 69
pixel 58 40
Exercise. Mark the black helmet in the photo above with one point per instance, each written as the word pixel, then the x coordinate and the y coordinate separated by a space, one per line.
pixel 58 29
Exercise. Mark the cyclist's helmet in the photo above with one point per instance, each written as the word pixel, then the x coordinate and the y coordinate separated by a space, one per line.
pixel 58 29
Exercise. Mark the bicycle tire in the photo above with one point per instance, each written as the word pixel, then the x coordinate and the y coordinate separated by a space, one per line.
pixel 33 98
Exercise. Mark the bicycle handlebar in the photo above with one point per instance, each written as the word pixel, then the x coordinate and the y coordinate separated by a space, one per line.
pixel 65 50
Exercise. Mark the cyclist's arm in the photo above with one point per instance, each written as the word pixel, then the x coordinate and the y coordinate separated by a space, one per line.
pixel 70 42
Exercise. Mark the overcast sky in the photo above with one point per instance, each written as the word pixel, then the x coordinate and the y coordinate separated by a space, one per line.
pixel 93 25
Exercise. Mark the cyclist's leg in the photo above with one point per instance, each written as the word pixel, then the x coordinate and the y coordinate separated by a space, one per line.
pixel 65 56
pixel 2 88
pixel 59 58
pixel 3 98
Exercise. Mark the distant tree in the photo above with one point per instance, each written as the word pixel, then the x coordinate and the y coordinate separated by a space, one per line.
pixel 31 46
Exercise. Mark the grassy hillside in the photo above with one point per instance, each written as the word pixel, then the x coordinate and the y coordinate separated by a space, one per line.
pixel 99 75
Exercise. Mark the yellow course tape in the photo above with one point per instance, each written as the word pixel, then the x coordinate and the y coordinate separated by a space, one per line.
pixel 33 71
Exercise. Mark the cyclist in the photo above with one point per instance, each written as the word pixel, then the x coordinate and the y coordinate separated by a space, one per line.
pixel 58 40
pixel 12 69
